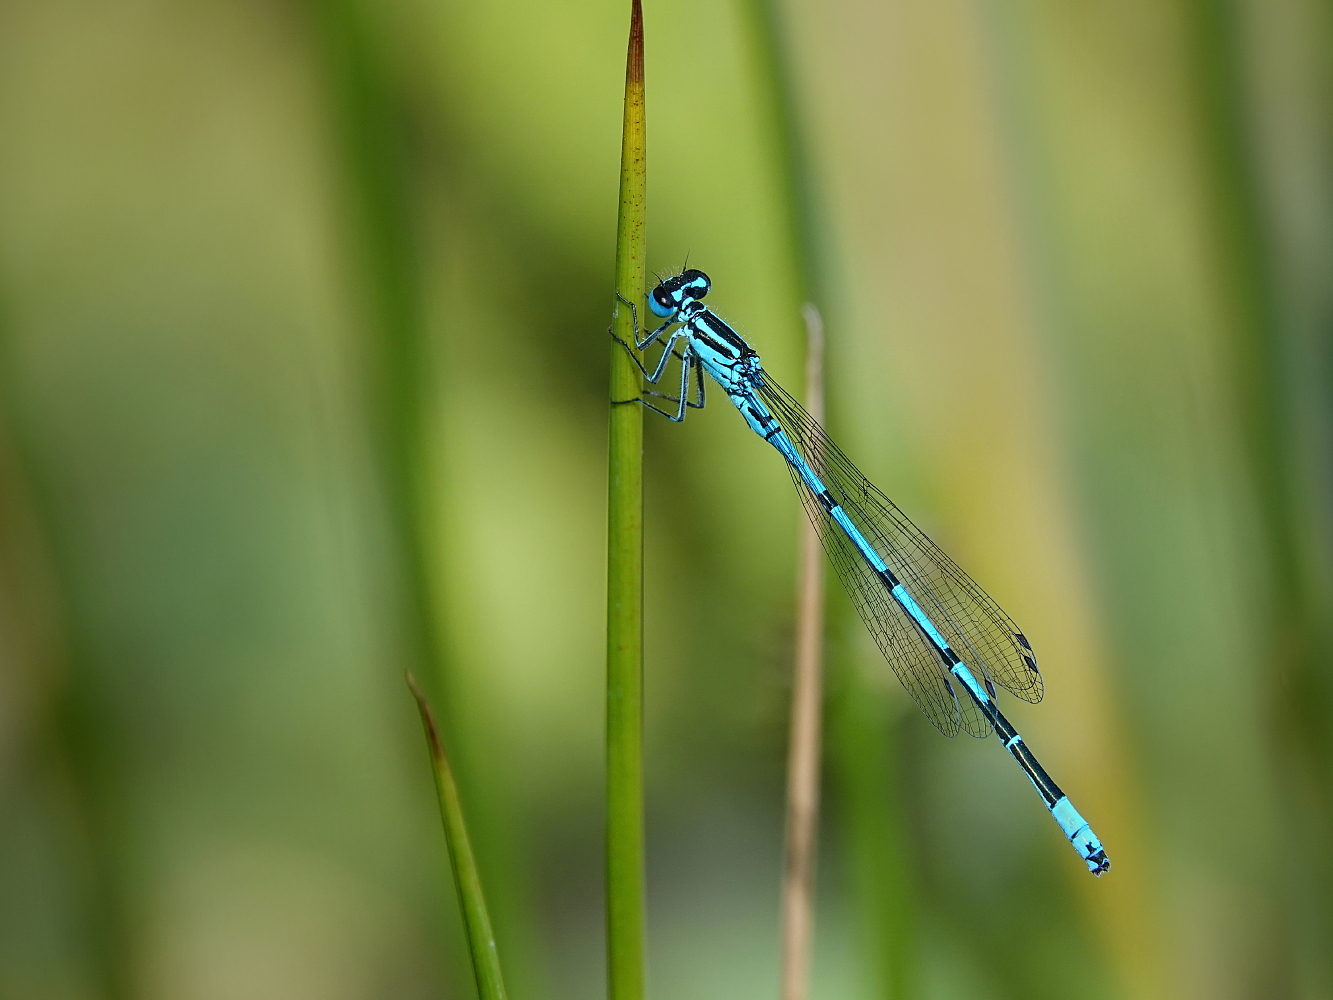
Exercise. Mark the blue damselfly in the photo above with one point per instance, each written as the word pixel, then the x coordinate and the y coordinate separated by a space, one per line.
pixel 933 624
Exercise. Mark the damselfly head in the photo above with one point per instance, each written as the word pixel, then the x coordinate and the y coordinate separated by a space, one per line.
pixel 674 292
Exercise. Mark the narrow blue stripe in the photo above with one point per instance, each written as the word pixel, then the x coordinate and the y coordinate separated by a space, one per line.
pixel 790 453
pixel 960 671
pixel 784 445
pixel 855 535
pixel 912 608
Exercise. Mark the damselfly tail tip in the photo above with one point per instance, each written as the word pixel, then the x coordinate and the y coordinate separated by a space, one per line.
pixel 1080 834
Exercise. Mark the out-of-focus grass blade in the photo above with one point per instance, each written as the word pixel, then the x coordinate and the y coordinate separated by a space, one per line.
pixel 1265 349
pixel 476 921
pixel 804 220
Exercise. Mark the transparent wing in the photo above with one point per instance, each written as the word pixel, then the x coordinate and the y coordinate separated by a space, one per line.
pixel 987 639
pixel 914 661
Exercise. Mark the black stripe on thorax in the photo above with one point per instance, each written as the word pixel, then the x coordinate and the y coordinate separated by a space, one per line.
pixel 720 328
pixel 714 345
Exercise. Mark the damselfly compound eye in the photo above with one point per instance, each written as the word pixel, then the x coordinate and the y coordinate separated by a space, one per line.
pixel 662 302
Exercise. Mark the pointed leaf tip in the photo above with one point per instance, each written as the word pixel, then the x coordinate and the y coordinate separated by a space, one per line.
pixel 634 65
pixel 427 716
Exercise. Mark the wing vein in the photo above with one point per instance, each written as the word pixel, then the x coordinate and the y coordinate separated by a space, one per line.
pixel 971 622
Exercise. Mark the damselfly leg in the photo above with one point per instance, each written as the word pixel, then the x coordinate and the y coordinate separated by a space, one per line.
pixel 669 351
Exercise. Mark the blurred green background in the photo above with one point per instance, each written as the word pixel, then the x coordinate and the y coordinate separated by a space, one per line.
pixel 1076 264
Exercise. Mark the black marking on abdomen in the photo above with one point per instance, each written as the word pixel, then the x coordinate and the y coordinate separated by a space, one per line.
pixel 1049 790
pixel 889 579
pixel 765 420
pixel 1006 732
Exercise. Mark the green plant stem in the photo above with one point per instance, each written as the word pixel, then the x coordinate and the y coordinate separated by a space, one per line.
pixel 476 921
pixel 377 190
pixel 804 745
pixel 624 572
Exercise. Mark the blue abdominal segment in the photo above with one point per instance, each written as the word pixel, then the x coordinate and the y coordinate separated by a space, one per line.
pixel 914 611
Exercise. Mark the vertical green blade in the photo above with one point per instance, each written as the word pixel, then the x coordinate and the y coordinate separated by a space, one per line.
pixel 624 574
